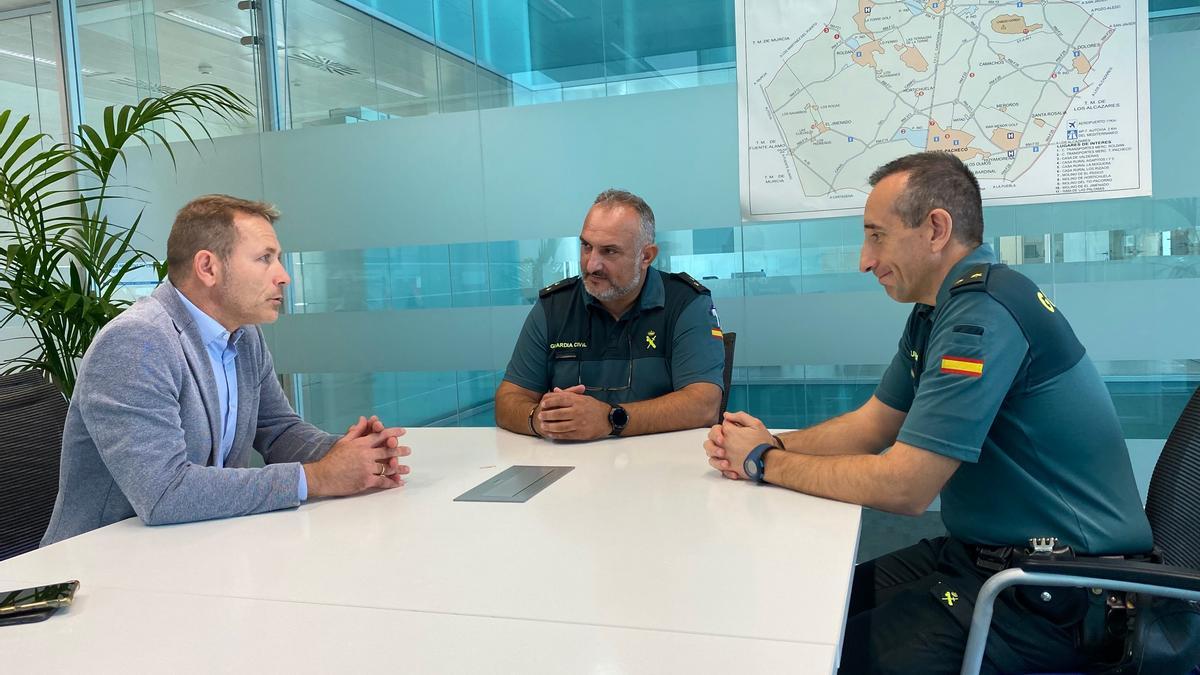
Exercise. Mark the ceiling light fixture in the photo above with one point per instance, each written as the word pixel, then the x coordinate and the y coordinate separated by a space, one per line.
pixel 206 24
pixel 402 90
pixel 43 61
pixel 622 52
pixel 560 8
pixel 28 57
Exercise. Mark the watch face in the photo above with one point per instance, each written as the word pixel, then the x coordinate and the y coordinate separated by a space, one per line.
pixel 619 417
pixel 750 467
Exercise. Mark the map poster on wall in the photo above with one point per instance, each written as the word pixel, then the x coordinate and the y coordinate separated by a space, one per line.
pixel 1044 100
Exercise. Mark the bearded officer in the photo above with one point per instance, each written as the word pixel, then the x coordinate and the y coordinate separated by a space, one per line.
pixel 624 350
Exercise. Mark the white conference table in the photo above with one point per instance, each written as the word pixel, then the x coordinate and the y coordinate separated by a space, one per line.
pixel 642 559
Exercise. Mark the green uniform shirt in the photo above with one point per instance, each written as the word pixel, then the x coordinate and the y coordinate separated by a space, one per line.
pixel 1040 458
pixel 669 339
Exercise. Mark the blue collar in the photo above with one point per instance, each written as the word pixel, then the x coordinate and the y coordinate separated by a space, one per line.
pixel 982 254
pixel 653 294
pixel 212 333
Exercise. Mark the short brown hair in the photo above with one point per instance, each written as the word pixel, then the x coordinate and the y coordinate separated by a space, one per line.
pixel 206 224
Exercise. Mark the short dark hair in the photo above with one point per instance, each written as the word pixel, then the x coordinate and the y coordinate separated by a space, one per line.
pixel 613 197
pixel 206 224
pixel 937 180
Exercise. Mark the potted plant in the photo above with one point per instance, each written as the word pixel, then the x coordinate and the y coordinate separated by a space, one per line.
pixel 62 260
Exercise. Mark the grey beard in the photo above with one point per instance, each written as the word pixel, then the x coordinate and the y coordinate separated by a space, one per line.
pixel 617 292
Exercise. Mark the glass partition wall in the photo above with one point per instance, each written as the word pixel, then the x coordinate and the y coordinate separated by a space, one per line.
pixel 28 62
pixel 494 133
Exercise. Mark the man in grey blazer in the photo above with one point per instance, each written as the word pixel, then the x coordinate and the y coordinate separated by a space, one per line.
pixel 173 394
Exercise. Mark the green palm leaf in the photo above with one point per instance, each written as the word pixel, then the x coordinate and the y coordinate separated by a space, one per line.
pixel 62 258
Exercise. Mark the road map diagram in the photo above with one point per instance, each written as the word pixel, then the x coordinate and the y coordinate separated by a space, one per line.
pixel 1044 100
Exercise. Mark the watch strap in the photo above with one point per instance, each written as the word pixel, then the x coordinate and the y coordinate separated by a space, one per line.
pixel 614 428
pixel 532 428
pixel 758 457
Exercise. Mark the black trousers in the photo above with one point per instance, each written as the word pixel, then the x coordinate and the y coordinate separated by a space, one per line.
pixel 910 612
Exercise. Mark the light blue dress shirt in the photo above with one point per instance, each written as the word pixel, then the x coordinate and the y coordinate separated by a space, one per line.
pixel 221 346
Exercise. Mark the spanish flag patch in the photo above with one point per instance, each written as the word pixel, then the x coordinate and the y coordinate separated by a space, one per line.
pixel 960 365
pixel 716 332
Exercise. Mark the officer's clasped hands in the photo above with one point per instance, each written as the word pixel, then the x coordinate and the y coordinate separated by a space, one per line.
pixel 571 415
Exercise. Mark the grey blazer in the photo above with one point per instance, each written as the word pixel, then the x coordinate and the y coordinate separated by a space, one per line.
pixel 142 430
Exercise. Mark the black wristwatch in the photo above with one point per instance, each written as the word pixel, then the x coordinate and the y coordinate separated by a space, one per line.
pixel 617 419
pixel 755 464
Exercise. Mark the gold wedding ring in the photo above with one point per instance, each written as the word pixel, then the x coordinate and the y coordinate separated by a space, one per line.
pixel 382 470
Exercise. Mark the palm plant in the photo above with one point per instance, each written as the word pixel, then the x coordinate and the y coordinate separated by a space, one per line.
pixel 62 259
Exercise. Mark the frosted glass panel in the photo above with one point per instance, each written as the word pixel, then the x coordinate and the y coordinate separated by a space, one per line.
pixel 418 243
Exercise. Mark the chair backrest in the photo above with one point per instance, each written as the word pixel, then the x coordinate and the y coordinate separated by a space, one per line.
pixel 32 414
pixel 730 340
pixel 1173 502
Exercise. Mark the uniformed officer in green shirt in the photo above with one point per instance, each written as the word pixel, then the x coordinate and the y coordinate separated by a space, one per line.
pixel 991 403
pixel 626 350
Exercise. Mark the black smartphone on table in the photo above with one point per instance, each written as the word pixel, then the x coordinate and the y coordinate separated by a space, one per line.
pixel 30 605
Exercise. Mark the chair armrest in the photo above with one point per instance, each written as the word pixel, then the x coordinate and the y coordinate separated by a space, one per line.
pixel 1116 569
pixel 1113 574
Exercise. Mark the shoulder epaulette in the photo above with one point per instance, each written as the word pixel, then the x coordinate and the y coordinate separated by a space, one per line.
pixel 557 286
pixel 974 279
pixel 687 279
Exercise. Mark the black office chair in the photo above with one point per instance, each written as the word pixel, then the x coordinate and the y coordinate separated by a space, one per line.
pixel 730 340
pixel 1165 635
pixel 32 414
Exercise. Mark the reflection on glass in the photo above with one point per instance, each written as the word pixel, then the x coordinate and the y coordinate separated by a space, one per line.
pixel 368 60
pixel 610 48
pixel 831 256
pixel 649 47
pixel 28 79
pixel 402 59
pixel 405 73
pixel 817 256
pixel 712 256
pixel 469 284
pixel 346 66
pixel 433 56
pixel 519 269
pixel 1148 395
pixel 332 401
pixel 132 49
pixel 779 258
pixel 331 66
pixel 457 88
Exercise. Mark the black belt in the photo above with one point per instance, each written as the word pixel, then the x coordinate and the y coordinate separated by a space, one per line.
pixel 1000 558
pixel 992 558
